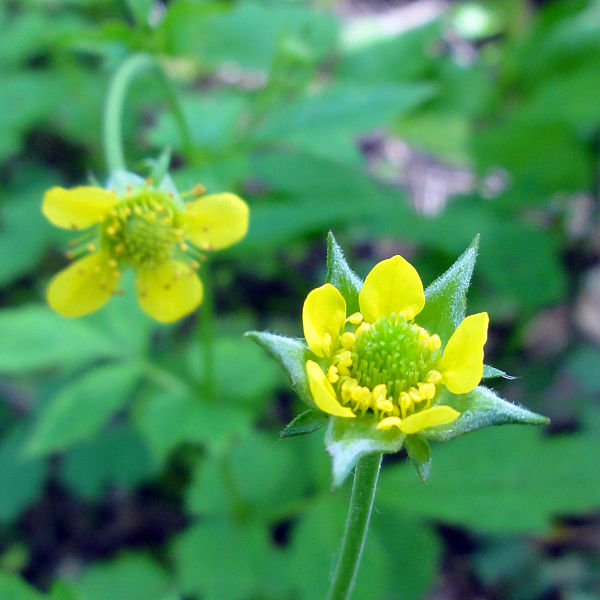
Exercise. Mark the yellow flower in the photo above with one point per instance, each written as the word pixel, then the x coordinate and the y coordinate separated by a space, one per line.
pixel 148 229
pixel 379 361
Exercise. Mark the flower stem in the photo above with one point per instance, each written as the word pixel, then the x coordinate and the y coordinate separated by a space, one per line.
pixel 206 332
pixel 115 104
pixel 357 524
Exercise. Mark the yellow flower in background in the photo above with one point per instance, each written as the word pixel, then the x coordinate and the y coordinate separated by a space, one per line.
pixel 148 229
pixel 379 361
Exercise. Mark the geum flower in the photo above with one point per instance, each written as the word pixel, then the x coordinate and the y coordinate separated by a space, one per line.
pixel 148 229
pixel 378 362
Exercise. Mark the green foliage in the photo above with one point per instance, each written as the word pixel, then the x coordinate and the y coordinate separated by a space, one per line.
pixel 321 123
pixel 81 408
pixel 520 493
pixel 21 477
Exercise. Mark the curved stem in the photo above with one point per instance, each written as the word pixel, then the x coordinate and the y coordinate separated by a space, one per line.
pixel 115 104
pixel 357 524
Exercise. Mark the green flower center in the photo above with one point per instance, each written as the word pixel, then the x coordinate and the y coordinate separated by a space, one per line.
pixel 395 353
pixel 142 230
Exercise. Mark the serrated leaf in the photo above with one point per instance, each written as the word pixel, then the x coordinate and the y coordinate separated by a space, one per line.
pixel 131 576
pixel 80 409
pixel 62 590
pixel 13 587
pixel 21 479
pixel 341 276
pixel 506 479
pixel 292 355
pixel 168 419
pixel 480 408
pixel 420 453
pixel 446 297
pixel 307 422
pixel 311 563
pixel 117 458
pixel 491 372
pixel 217 558
pixel 34 337
pixel 347 440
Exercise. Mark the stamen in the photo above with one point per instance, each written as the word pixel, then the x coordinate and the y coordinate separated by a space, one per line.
pixel 348 340
pixel 355 318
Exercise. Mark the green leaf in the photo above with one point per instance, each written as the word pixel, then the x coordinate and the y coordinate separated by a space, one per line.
pixel 582 366
pixel 14 588
pixel 140 9
pixel 347 440
pixel 348 107
pixel 34 337
pixel 21 479
pixel 256 375
pixel 408 541
pixel 480 408
pixel 81 408
pixel 131 576
pixel 292 355
pixel 307 422
pixel 62 590
pixel 341 276
pixel 239 485
pixel 117 458
pixel 313 549
pixel 491 372
pixel 219 559
pixel 508 479
pixel 420 453
pixel 446 297
pixel 166 420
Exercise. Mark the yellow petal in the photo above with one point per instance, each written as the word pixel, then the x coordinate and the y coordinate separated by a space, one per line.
pixel 461 365
pixel 323 392
pixel 216 221
pixel 169 291
pixel 78 208
pixel 83 287
pixel 323 316
pixel 438 415
pixel 392 286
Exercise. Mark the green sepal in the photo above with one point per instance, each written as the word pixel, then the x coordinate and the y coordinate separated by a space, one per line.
pixel 291 354
pixel 446 297
pixel 419 453
pixel 480 408
pixel 160 166
pixel 491 372
pixel 304 423
pixel 121 180
pixel 341 276
pixel 347 440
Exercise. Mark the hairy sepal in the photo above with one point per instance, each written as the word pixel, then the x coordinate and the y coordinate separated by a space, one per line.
pixel 347 440
pixel 491 373
pixel 419 453
pixel 446 297
pixel 291 354
pixel 341 276
pixel 480 408
pixel 306 422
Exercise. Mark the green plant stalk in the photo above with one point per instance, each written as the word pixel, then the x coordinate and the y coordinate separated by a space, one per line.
pixel 115 105
pixel 206 333
pixel 357 525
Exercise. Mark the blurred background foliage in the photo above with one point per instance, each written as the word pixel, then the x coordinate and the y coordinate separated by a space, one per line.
pixel 405 127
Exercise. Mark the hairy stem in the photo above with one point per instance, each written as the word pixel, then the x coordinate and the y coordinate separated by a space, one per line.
pixel 115 105
pixel 357 525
